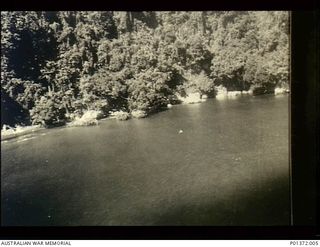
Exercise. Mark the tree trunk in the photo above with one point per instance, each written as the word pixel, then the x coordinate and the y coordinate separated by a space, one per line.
pixel 129 21
pixel 204 24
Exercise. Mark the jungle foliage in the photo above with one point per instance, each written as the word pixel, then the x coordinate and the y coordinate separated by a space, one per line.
pixel 55 66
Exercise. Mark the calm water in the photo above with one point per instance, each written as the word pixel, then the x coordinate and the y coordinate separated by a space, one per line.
pixel 229 167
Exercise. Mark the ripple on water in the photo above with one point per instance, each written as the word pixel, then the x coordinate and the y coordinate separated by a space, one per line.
pixel 26 139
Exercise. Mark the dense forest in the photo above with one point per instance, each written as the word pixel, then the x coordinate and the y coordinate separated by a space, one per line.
pixel 56 66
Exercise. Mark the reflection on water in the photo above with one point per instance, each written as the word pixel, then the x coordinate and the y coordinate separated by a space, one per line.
pixel 229 166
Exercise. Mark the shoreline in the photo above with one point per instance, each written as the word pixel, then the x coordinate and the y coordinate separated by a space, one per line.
pixel 19 131
pixel 22 131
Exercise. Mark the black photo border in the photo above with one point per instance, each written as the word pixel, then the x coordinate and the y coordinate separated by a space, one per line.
pixel 304 127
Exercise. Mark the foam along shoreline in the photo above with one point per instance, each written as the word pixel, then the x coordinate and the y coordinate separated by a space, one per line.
pixel 281 90
pixel 223 93
pixel 8 132
pixel 231 94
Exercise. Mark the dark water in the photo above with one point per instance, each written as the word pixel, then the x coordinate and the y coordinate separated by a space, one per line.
pixel 229 167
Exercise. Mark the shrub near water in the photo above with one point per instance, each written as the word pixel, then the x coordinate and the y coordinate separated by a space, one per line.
pixel 88 118
pixel 48 111
pixel 200 83
pixel 197 88
pixel 138 114
pixel 121 115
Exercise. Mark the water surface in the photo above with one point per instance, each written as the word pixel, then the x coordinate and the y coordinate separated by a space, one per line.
pixel 229 167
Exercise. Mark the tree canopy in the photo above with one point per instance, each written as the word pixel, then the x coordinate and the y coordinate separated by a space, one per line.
pixel 57 65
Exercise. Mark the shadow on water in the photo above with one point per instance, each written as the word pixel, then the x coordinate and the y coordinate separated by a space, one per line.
pixel 268 205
